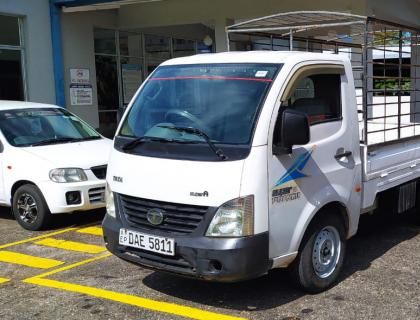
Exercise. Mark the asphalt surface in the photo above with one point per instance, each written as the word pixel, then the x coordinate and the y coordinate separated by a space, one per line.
pixel 380 281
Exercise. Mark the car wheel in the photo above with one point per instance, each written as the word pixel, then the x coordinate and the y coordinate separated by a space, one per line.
pixel 30 209
pixel 321 255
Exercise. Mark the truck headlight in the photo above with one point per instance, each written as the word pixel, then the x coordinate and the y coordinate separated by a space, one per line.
pixel 63 175
pixel 235 218
pixel 110 203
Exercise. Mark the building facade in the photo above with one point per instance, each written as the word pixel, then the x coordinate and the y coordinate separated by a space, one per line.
pixel 91 55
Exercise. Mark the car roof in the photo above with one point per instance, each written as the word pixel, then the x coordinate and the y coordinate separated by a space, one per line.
pixel 12 105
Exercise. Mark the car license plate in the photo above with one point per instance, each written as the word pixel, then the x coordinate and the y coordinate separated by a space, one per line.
pixel 147 242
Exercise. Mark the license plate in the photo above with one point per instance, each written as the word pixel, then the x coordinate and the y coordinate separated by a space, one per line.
pixel 147 242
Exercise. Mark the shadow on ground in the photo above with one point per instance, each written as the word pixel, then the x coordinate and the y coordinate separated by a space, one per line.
pixel 64 220
pixel 377 234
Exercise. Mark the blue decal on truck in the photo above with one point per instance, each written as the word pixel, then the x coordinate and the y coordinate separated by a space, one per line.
pixel 295 171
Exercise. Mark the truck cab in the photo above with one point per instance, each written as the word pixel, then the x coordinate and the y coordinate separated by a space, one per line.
pixel 228 165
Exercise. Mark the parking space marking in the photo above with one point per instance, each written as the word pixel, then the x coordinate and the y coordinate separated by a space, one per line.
pixel 71 245
pixel 28 261
pixel 4 280
pixel 7 245
pixel 96 231
pixel 166 307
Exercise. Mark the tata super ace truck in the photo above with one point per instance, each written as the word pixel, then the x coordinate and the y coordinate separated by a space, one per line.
pixel 228 165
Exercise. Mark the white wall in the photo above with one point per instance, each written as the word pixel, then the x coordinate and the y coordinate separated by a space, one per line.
pixel 78 52
pixel 38 48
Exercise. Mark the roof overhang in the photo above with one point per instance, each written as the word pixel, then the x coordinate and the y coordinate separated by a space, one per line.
pixel 94 5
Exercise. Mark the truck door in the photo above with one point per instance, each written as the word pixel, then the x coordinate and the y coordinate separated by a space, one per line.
pixel 319 172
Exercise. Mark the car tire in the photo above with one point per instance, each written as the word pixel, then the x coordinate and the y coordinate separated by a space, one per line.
pixel 30 208
pixel 321 254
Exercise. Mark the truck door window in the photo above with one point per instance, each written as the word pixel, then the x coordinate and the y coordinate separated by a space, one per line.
pixel 317 95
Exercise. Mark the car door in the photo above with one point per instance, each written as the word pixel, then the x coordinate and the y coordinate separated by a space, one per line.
pixel 319 172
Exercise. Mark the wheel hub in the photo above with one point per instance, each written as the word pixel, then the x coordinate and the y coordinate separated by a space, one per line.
pixel 326 251
pixel 27 208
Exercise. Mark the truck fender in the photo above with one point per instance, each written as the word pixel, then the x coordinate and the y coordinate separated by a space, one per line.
pixel 319 201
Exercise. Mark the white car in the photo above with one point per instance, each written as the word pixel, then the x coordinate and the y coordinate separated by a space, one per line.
pixel 51 162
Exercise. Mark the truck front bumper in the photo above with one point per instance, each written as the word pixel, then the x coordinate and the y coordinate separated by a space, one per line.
pixel 214 259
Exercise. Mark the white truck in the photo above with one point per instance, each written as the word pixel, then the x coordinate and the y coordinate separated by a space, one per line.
pixel 228 165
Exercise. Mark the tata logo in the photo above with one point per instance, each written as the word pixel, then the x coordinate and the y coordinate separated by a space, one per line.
pixel 117 179
pixel 155 216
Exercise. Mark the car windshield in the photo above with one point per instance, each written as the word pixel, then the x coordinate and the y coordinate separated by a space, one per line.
pixel 220 100
pixel 43 126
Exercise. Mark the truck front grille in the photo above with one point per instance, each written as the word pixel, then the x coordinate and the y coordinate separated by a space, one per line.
pixel 178 218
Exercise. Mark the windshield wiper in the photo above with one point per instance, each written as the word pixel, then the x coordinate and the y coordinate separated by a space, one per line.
pixel 134 143
pixel 90 138
pixel 198 132
pixel 54 140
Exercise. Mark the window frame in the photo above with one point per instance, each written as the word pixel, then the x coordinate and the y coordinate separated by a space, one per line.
pixel 314 70
pixel 21 49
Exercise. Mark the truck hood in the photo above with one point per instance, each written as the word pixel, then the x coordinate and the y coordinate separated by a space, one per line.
pixel 177 181
pixel 83 154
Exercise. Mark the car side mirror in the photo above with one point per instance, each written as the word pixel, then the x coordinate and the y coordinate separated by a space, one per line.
pixel 292 128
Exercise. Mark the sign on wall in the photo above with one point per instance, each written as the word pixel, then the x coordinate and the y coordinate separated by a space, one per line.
pixel 81 93
pixel 79 76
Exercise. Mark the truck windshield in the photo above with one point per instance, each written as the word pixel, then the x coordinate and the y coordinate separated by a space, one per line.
pixel 220 100
pixel 43 126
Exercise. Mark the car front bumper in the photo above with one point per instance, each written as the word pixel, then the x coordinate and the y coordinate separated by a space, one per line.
pixel 214 259
pixel 92 195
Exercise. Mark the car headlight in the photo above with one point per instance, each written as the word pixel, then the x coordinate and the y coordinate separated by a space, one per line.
pixel 235 218
pixel 110 204
pixel 63 175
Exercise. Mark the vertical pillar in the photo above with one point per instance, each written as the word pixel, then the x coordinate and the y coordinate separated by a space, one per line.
pixel 55 17
pixel 220 33
pixel 415 83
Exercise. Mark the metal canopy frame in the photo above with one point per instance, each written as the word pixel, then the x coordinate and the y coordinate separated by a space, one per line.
pixel 381 52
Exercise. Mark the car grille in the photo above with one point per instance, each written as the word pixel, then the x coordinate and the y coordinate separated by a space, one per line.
pixel 99 171
pixel 97 195
pixel 178 218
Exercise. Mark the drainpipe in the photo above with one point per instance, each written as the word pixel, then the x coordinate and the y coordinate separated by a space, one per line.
pixel 60 98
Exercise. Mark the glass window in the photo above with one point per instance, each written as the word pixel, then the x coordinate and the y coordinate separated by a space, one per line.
pixel 183 47
pixel 130 44
pixel 44 126
pixel 9 31
pixel 319 96
pixel 221 100
pixel 104 40
pixel 11 84
pixel 107 82
pixel 131 77
pixel 157 47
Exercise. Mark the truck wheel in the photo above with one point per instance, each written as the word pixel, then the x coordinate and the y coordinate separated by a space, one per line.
pixel 29 208
pixel 321 254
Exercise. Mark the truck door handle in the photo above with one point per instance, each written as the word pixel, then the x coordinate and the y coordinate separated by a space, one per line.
pixel 343 154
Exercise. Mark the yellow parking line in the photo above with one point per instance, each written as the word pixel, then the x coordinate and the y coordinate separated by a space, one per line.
pixel 3 246
pixel 171 308
pixel 96 231
pixel 71 266
pixel 71 245
pixel 27 260
pixel 166 307
pixel 3 280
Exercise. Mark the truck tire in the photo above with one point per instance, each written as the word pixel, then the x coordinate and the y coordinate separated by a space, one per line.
pixel 30 209
pixel 321 254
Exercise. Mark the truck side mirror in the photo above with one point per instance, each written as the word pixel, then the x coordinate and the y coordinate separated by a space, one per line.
pixel 292 128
